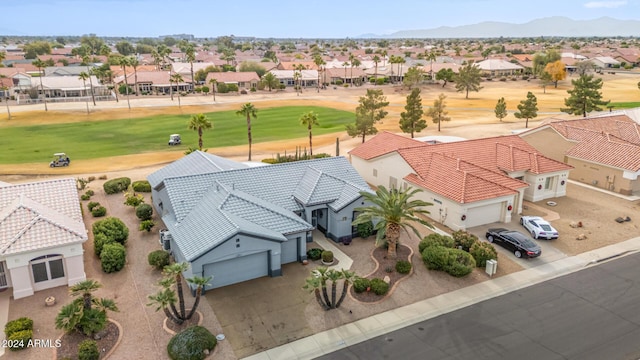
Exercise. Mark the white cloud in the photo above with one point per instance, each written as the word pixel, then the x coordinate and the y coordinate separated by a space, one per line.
pixel 605 4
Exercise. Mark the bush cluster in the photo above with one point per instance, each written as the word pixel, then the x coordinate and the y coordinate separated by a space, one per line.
pixel 99 211
pixel 141 186
pixel 109 237
pixel 92 204
pixel 113 228
pixel 483 251
pixel 88 350
pixel 452 261
pixel 314 254
pixel 403 267
pixel 464 239
pixel 435 240
pixel 116 185
pixel 113 257
pixel 379 287
pixel 365 229
pixel 361 284
pixel 19 332
pixel 191 343
pixel 158 259
pixel 144 212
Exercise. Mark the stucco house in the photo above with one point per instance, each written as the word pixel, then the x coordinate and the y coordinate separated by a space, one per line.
pixel 469 183
pixel 308 78
pixel 238 223
pixel 499 67
pixel 243 79
pixel 41 236
pixel 604 150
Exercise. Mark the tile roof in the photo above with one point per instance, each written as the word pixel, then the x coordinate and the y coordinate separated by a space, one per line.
pixel 383 143
pixel 606 149
pixel 198 162
pixel 229 76
pixel 621 126
pixel 39 215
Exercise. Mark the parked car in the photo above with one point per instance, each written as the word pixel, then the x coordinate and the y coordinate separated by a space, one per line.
pixel 520 244
pixel 538 227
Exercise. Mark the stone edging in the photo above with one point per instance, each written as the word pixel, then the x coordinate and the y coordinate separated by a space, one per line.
pixel 171 332
pixel 106 356
pixel 376 269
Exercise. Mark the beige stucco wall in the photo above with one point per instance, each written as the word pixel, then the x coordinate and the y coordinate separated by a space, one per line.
pixel 537 190
pixel 380 170
pixel 602 176
pixel 549 143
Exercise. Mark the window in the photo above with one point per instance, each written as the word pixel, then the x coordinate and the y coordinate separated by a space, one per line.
pixel 393 182
pixel 548 183
pixel 48 267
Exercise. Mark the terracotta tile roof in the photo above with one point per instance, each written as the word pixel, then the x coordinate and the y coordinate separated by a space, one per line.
pixel 608 150
pixel 621 126
pixel 382 144
pixel 289 65
pixel 231 77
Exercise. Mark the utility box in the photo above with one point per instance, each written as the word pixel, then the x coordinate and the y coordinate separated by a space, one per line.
pixel 492 267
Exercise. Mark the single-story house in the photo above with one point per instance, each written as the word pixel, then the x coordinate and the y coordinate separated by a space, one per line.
pixel 345 75
pixel 470 182
pixel 244 79
pixel 41 236
pixel 237 223
pixel 308 78
pixel 604 150
pixel 154 82
pixel 605 62
pixel 64 87
pixel 499 67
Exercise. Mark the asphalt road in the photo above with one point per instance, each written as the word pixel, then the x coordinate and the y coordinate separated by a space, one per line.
pixel 590 314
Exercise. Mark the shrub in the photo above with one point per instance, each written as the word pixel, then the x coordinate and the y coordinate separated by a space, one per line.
pixel 85 197
pixel 435 257
pixel 314 254
pixel 88 350
pixel 99 211
pixel 146 225
pixel 92 204
pixel 90 179
pixel 13 326
pixel 158 259
pixel 113 257
pixel 453 261
pixel 252 89
pixel 133 200
pixel 116 185
pixel 403 267
pixel 19 339
pixel 365 229
pixel 503 79
pixel 483 251
pixel 102 177
pixel 361 284
pixel 380 81
pixel 327 256
pixel 99 241
pixel 90 192
pixel 232 87
pixel 338 82
pixel 144 212
pixel 141 186
pixel 113 228
pixel 462 264
pixel 435 240
pixel 464 239
pixel 243 92
pixel 379 287
pixel 92 321
pixel 191 343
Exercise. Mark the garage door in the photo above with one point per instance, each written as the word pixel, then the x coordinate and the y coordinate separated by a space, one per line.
pixel 290 251
pixel 483 215
pixel 237 270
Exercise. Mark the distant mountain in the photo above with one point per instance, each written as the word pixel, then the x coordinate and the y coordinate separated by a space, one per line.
pixel 551 26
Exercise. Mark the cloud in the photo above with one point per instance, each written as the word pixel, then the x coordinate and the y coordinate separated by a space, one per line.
pixel 605 4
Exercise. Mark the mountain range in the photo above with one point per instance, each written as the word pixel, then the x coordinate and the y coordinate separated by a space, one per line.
pixel 556 26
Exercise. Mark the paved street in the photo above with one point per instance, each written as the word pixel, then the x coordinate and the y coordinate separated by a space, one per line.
pixel 589 314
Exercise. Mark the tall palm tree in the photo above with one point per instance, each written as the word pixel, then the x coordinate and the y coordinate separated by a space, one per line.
pixel 376 60
pixel 175 271
pixel 199 123
pixel 270 80
pixel 84 76
pixel 347 277
pixel 134 63
pixel 85 288
pixel 345 64
pixel 249 111
pixel 40 65
pixel 297 74
pixel 351 59
pixel 86 60
pixel 400 61
pixel 6 100
pixel 109 75
pixel 355 63
pixel 200 283
pixel 319 62
pixel 309 119
pixel 392 211
pixel 383 53
pixel 175 78
pixel 431 56
pixel 124 62
pixel 213 83
pixel 190 53
pixel 392 60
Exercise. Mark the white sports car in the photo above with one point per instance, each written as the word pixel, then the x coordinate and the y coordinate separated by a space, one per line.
pixel 538 227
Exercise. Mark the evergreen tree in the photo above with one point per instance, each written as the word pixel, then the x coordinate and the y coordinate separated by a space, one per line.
pixel 370 111
pixel 411 119
pixel 501 109
pixel 528 108
pixel 585 96
pixel 468 78
pixel 437 112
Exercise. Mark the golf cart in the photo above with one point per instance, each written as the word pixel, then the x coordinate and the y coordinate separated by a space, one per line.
pixel 59 159
pixel 174 139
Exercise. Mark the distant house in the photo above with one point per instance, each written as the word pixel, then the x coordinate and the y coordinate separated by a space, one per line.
pixel 308 78
pixel 41 236
pixel 62 88
pixel 154 82
pixel 244 80
pixel 237 223
pixel 499 67
pixel 605 62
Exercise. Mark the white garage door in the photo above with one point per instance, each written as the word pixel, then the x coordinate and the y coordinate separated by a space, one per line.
pixel 483 215
pixel 237 270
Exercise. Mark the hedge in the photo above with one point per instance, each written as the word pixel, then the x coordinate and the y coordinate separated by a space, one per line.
pixel 19 339
pixel 113 257
pixel 141 186
pixel 435 240
pixel 23 323
pixel 191 343
pixel 455 262
pixel 116 185
pixel 113 228
pixel 314 254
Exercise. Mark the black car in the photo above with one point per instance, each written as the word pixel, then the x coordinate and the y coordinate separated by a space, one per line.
pixel 519 243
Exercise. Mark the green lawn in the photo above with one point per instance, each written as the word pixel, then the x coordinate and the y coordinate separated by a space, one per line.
pixel 100 139
pixel 625 105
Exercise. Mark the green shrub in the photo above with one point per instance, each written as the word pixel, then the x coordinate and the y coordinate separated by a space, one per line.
pixel 99 241
pixel 88 350
pixel 453 261
pixel 90 192
pixel 113 257
pixel 92 204
pixel 435 240
pixel 158 259
pixel 92 321
pixel 191 343
pixel 85 197
pixel 483 251
pixel 146 225
pixel 23 323
pixel 380 81
pixel 435 257
pixel 113 228
pixel 314 254
pixel 379 287
pixel 403 267
pixel 222 88
pixel 141 186
pixel 99 211
pixel 327 256
pixel 90 179
pixel 116 185
pixel 464 239
pixel 133 200
pixel 144 212
pixel 361 284
pixel 462 265
pixel 365 229
pixel 19 339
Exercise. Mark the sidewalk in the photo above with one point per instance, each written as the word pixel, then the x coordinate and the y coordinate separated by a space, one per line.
pixel 364 329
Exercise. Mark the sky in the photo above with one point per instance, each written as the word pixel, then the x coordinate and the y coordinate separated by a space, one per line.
pixel 284 18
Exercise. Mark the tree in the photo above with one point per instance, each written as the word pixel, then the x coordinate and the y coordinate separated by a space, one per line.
pixel 501 109
pixel 584 67
pixel 190 54
pixel 124 61
pixel 319 64
pixel 319 280
pixel 446 75
pixel 89 73
pixel 270 80
pixel 252 66
pixel 309 119
pixel 352 58
pixel 527 109
pixel 213 83
pixel 40 65
pixel 177 79
pixel 413 76
pixel 431 56
pixel 297 77
pixel 392 211
pixel 557 71
pixel 411 119
pixel 85 314
pixel 6 100
pixel 84 76
pixel 134 63
pixel 125 48
pixel 355 63
pixel 585 96
pixel 437 112
pixel 545 79
pixel 370 111
pixel 199 123
pixel 376 60
pixel 468 78
pixel 249 111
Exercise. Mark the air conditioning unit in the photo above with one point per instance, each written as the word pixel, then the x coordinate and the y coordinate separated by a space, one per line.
pixel 165 239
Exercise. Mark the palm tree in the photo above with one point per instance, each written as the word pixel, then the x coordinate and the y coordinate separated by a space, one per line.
pixel 6 100
pixel 318 283
pixel 347 277
pixel 190 53
pixel 393 60
pixel 392 211
pixel 84 76
pixel 85 59
pixel 313 283
pixel 249 111
pixel 309 119
pixel 85 288
pixel 165 299
pixel 124 61
pixel 175 78
pixel 297 76
pixel 400 61
pixel 355 63
pixel 134 63
pixel 213 83
pixel 351 59
pixel 199 123
pixel 319 62
pixel 200 283
pixel 431 56
pixel 383 53
pixel 174 271
pixel 40 65
pixel 270 80
pixel 376 60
